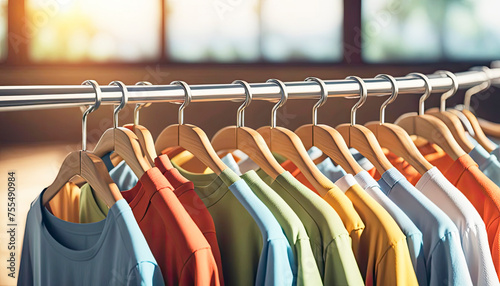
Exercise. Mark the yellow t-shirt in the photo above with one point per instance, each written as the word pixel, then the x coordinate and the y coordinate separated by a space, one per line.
pixel 383 255
pixel 65 204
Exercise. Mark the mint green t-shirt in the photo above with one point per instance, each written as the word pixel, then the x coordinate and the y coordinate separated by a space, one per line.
pixel 330 241
pixel 307 271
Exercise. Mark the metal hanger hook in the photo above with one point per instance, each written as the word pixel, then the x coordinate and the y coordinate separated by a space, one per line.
pixel 427 93
pixel 363 94
pixel 122 104
pixel 322 99
pixel 478 88
pixel 394 94
pixel 281 102
pixel 188 96
pixel 92 108
pixel 240 115
pixel 139 106
pixel 450 92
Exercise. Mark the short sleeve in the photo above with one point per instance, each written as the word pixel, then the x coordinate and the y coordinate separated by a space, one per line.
pixel 341 267
pixel 447 263
pixel 145 273
pixel 200 269
pixel 395 268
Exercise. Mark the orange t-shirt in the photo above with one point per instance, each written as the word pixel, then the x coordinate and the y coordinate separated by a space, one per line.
pixel 184 190
pixel 179 247
pixel 483 194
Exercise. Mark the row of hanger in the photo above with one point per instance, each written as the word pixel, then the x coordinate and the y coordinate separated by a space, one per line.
pixel 444 127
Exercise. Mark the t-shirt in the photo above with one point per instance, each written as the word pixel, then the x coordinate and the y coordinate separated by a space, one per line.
pixel 445 260
pixel 125 179
pixel 110 252
pixel 306 271
pixel 343 206
pixel 413 235
pixel 330 241
pixel 383 254
pixel 484 196
pixel 474 239
pixel 487 163
pixel 253 248
pixel 64 204
pixel 182 252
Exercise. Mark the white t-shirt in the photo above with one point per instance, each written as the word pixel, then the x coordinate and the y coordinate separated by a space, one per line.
pixel 434 185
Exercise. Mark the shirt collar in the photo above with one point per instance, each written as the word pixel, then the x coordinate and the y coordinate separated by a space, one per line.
pixel 459 167
pixel 346 182
pixel 391 177
pixel 480 155
pixel 365 180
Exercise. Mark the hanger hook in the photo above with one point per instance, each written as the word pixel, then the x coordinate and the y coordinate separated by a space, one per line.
pixel 139 106
pixel 450 92
pixel 122 104
pixel 240 115
pixel 427 93
pixel 363 94
pixel 394 94
pixel 322 99
pixel 281 102
pixel 187 99
pixel 478 88
pixel 92 108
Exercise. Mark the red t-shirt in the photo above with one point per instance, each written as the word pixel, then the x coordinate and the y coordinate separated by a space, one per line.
pixel 184 190
pixel 179 247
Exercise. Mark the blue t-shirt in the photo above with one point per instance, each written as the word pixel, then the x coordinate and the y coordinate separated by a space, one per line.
pixel 109 252
pixel 445 260
pixel 487 163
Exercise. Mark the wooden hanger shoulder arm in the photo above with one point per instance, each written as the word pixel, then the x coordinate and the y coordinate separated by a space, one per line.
pixel 478 132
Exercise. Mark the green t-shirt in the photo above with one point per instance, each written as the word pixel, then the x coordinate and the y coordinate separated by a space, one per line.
pixel 307 271
pixel 92 209
pixel 253 247
pixel 330 241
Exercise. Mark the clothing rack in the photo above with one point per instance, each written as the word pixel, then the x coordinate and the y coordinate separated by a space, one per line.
pixel 16 98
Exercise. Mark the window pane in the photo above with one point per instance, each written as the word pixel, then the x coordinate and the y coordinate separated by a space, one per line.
pixel 220 30
pixel 253 30
pixel 3 29
pixel 430 30
pixel 302 30
pixel 94 30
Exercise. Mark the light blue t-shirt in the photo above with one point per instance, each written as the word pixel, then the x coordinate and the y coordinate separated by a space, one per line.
pixel 414 237
pixel 488 164
pixel 123 176
pixel 276 259
pixel 112 251
pixel 445 260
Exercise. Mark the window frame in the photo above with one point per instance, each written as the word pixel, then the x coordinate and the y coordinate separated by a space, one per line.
pixel 351 46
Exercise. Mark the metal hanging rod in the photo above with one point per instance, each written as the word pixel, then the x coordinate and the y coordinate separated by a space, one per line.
pixel 15 98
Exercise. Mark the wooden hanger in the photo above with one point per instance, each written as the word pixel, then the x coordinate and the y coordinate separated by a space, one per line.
pixel 478 134
pixel 395 138
pixel 247 140
pixel 490 128
pixel 286 143
pixel 361 138
pixel 429 127
pixel 189 137
pixel 122 141
pixel 451 120
pixel 86 165
pixel 143 135
pixel 327 139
